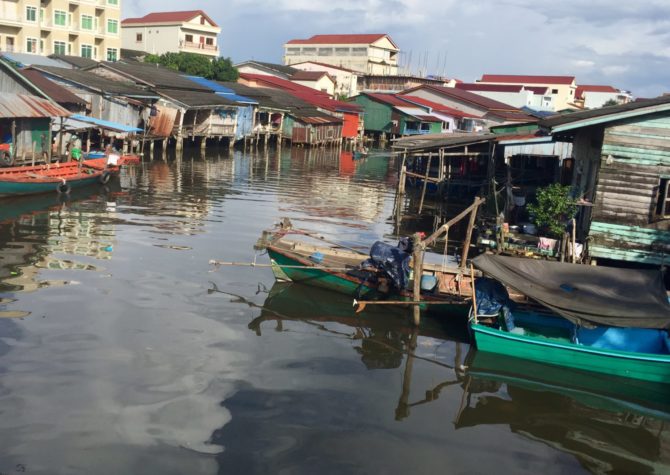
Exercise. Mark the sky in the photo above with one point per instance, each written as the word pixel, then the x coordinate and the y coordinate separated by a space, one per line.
pixel 610 42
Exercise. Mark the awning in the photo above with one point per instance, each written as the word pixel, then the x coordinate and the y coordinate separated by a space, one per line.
pixel 582 293
pixel 77 121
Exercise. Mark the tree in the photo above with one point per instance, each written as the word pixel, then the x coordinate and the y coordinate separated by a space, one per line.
pixel 223 70
pixel 611 102
pixel 220 69
pixel 553 209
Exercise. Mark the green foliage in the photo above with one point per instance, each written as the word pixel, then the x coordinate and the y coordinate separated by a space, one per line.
pixel 553 208
pixel 219 69
pixel 611 102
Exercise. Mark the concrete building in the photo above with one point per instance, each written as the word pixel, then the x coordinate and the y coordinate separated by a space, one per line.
pixel 172 32
pixel 561 88
pixel 87 28
pixel 346 80
pixel 538 98
pixel 368 53
pixel 319 80
pixel 594 96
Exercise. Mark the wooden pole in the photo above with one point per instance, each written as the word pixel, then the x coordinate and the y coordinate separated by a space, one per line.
pixel 425 182
pixel 32 161
pixel 60 139
pixel 433 237
pixel 574 241
pixel 417 257
pixel 474 292
pixel 402 410
pixel 14 144
pixel 49 139
pixel 468 235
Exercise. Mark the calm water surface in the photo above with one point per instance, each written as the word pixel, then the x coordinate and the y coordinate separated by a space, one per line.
pixel 123 351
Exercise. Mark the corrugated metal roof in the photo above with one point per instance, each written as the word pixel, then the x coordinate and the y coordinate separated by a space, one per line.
pixel 168 17
pixel 309 76
pixel 489 87
pixel 92 81
pixel 386 98
pixel 419 114
pixel 77 61
pixel 272 67
pixel 220 89
pixel 196 99
pixel 22 106
pixel 153 75
pixel 523 79
pixel 24 59
pixel 55 92
pixel 607 114
pixel 257 93
pixel 441 108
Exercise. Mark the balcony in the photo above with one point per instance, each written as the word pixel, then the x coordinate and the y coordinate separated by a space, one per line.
pixel 202 48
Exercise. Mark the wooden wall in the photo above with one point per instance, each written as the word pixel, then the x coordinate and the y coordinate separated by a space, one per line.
pixel 635 155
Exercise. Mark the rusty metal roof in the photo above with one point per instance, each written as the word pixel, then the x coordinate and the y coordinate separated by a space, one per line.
pixel 22 106
pixel 55 92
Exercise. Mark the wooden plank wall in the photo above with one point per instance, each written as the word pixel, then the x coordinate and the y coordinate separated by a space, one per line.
pixel 634 157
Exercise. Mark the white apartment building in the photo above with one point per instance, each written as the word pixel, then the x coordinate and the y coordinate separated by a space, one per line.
pixel 367 54
pixel 190 31
pixel 538 98
pixel 87 28
pixel 346 80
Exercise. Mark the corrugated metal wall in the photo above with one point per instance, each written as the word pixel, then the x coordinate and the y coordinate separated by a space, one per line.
pixel 245 121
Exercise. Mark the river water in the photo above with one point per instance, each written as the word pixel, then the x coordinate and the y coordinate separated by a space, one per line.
pixel 122 350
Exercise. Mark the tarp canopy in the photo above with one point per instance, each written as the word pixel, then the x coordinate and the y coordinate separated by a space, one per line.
pixel 77 121
pixel 595 295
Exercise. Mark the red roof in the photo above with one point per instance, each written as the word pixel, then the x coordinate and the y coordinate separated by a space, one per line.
pixel 489 87
pixel 439 108
pixel 168 17
pixel 309 75
pixel 579 93
pixel 520 79
pixel 307 94
pixel 364 39
pixel 504 111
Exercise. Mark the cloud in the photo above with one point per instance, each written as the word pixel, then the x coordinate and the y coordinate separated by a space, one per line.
pixel 464 39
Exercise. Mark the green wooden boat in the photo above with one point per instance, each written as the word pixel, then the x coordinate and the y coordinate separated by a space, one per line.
pixel 602 320
pixel 338 269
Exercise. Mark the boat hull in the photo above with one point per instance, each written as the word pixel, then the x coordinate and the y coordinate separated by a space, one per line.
pixel 351 285
pixel 643 366
pixel 16 188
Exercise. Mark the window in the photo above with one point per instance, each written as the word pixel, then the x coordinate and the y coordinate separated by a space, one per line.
pixel 112 54
pixel 188 38
pixel 31 14
pixel 112 2
pixel 41 46
pixel 86 22
pixel 202 20
pixel 41 15
pixel 86 51
pixel 112 26
pixel 210 41
pixel 554 91
pixel 59 47
pixel 138 37
pixel 325 51
pixel 31 45
pixel 69 48
pixel 359 51
pixel 309 51
pixel 60 18
pixel 342 51
pixel 292 51
pixel 663 203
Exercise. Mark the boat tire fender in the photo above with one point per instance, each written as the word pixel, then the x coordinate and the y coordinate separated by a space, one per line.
pixel 6 160
pixel 63 188
pixel 104 178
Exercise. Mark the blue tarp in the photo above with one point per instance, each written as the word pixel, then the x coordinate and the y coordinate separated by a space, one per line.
pixel 105 124
pixel 222 90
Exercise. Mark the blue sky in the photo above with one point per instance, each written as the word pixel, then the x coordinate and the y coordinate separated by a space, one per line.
pixel 623 44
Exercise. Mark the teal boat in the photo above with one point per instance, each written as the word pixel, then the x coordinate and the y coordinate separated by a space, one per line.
pixel 297 256
pixel 596 319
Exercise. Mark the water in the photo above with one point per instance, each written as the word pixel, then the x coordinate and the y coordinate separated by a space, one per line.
pixel 122 350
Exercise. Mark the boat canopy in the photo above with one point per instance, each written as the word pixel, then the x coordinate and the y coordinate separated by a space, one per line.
pixel 77 121
pixel 585 295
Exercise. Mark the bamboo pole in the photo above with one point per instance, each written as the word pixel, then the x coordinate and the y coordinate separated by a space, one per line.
pixel 574 241
pixel 253 264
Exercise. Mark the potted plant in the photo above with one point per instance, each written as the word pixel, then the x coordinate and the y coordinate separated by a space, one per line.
pixel 553 208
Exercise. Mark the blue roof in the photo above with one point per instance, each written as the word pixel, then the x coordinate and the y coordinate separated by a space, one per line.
pixel 221 90
pixel 105 124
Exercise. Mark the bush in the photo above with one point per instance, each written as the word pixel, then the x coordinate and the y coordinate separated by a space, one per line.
pixel 554 207
pixel 219 69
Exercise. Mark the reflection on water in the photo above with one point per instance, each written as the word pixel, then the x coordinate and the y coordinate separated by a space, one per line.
pixel 122 351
